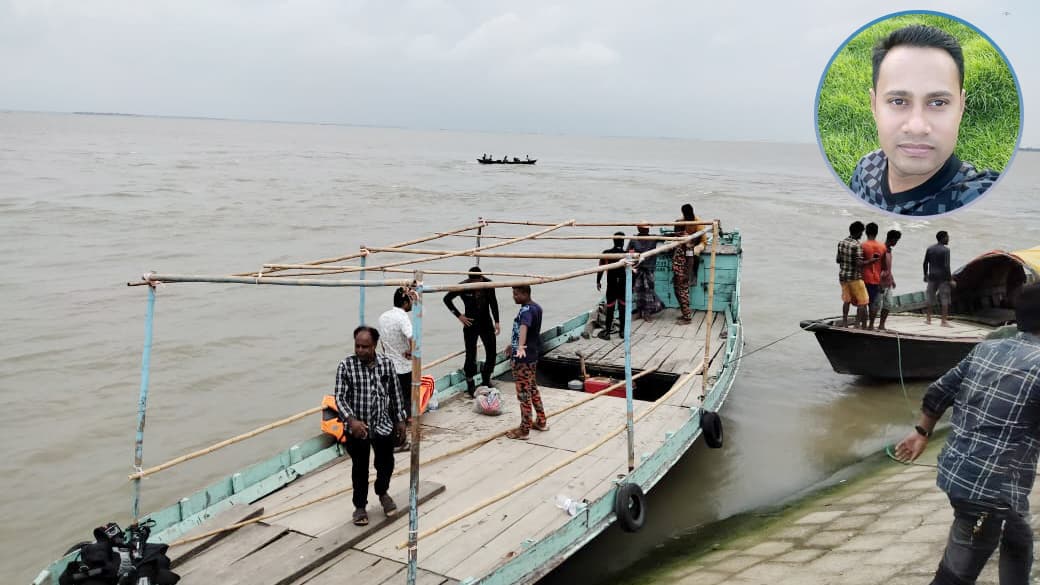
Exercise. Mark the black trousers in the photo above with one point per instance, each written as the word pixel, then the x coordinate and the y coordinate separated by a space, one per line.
pixel 976 532
pixel 359 450
pixel 485 331
pixel 405 381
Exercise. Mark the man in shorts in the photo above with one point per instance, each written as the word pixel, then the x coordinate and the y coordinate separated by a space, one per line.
pixel 888 282
pixel 850 275
pixel 872 272
pixel 939 278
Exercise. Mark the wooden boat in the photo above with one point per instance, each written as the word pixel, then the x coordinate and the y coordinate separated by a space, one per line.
pixel 503 161
pixel 478 508
pixel 982 301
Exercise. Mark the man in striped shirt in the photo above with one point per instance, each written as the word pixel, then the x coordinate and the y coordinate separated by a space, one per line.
pixel 988 465
pixel 368 397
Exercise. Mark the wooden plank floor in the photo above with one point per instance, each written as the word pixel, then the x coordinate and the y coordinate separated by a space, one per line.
pixel 914 324
pixel 473 546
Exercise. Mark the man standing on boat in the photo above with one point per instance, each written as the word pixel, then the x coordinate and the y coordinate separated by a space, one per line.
pixel 479 320
pixel 888 281
pixel 988 465
pixel 685 259
pixel 368 397
pixel 850 275
pixel 615 289
pixel 939 278
pixel 395 333
pixel 643 291
pixel 524 350
pixel 872 272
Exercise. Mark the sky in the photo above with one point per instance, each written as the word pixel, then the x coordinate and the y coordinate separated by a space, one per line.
pixel 721 70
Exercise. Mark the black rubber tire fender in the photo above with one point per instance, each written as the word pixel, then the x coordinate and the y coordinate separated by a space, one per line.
pixel 711 426
pixel 630 507
pixel 77 546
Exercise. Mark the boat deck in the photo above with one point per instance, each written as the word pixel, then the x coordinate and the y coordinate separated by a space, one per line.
pixel 318 544
pixel 914 324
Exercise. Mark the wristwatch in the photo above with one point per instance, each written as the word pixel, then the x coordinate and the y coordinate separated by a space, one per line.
pixel 920 431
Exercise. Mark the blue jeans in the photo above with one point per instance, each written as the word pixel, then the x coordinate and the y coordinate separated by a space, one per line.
pixel 976 531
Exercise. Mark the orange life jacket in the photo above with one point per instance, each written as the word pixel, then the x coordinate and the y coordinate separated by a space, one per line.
pixel 331 423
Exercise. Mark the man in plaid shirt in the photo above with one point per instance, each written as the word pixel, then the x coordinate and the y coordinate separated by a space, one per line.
pixel 850 275
pixel 988 464
pixel 368 397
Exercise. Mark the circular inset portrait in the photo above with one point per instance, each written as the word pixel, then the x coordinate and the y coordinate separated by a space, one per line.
pixel 918 113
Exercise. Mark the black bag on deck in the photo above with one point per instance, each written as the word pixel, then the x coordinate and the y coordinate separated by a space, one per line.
pixel 112 560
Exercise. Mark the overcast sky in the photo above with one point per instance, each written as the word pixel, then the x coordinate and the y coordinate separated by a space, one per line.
pixel 722 70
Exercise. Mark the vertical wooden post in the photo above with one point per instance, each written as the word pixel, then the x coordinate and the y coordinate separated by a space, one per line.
pixel 413 472
pixel 361 303
pixel 480 230
pixel 709 317
pixel 629 422
pixel 142 403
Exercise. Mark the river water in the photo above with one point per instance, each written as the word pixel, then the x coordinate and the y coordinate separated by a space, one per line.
pixel 88 203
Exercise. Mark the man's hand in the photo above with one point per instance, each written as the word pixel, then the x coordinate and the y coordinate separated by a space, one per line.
pixel 599 285
pixel 408 355
pixel 498 329
pixel 358 429
pixel 521 353
pixel 509 351
pixel 911 447
pixel 466 321
pixel 401 431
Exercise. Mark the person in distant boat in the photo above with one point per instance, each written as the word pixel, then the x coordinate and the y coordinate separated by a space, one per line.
pixel 988 465
pixel 395 334
pixel 516 159
pixel 615 289
pixel 888 281
pixel 850 275
pixel 644 294
pixel 939 278
pixel 528 157
pixel 872 272
pixel 918 100
pixel 479 318
pixel 484 156
pixel 524 351
pixel 369 398
pixel 685 260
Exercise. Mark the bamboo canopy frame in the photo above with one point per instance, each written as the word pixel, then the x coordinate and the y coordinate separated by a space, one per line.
pixel 416 284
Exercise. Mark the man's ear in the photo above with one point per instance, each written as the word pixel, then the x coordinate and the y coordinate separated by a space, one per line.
pixel 873 103
pixel 964 100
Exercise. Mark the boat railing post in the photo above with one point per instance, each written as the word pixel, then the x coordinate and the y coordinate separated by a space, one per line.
pixel 629 422
pixel 480 231
pixel 413 476
pixel 142 402
pixel 709 317
pixel 361 302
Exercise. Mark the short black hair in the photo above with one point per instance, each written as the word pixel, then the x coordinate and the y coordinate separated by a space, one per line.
pixel 1027 308
pixel 366 329
pixel 856 229
pixel 474 269
pixel 400 297
pixel 687 212
pixel 893 236
pixel 524 288
pixel 919 35
pixel 872 230
pixel 941 235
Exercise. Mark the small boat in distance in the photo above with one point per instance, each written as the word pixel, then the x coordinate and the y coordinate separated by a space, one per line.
pixel 982 302
pixel 490 160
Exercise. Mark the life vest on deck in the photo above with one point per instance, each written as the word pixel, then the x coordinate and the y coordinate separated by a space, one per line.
pixel 331 422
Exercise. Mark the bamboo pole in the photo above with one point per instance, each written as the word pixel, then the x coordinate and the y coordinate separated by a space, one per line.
pixel 575 237
pixel 711 312
pixel 157 278
pixel 629 423
pixel 467 447
pixel 413 475
pixel 578 455
pixel 361 300
pixel 250 434
pixel 405 243
pixel 333 269
pixel 603 224
pixel 551 255
pixel 142 403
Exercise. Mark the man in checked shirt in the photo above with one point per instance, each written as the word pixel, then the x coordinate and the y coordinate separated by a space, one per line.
pixel 988 464
pixel 369 398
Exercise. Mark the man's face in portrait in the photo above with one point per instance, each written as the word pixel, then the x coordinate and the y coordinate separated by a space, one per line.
pixel 917 104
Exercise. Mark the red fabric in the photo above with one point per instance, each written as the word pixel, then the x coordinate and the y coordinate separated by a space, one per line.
pixel 872 272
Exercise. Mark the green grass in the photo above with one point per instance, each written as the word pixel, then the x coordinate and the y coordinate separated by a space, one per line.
pixel 989 129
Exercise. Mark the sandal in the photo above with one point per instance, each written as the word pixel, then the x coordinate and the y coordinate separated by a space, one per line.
pixel 360 517
pixel 540 427
pixel 516 434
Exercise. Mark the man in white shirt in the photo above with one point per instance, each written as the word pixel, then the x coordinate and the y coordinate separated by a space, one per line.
pixel 395 333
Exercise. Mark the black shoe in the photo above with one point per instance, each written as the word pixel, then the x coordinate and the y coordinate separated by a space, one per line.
pixel 471 388
pixel 605 334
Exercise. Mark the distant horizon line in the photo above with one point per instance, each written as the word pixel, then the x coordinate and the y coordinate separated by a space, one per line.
pixel 391 127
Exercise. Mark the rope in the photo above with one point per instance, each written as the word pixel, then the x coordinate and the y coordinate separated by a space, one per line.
pixel 890 449
pixel 774 342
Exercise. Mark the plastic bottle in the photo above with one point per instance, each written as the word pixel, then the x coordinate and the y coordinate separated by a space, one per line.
pixel 572 507
pixel 433 403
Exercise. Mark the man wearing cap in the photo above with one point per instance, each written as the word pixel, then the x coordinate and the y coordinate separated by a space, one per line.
pixel 988 464
pixel 479 319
